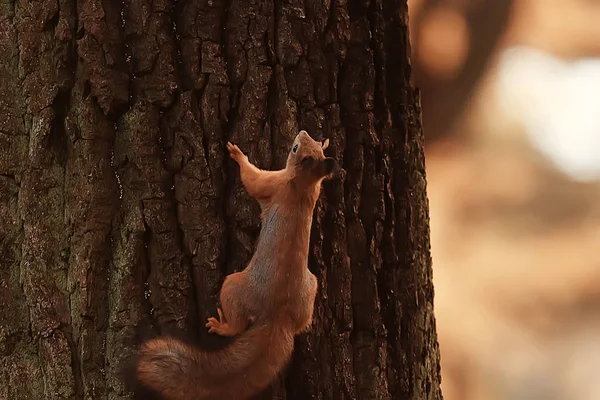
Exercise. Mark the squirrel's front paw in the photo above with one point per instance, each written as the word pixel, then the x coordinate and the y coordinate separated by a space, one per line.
pixel 235 152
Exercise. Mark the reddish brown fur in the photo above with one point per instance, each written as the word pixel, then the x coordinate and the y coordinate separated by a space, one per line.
pixel 264 305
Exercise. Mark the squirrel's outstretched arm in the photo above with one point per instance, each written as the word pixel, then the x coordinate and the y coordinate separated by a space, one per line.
pixel 259 183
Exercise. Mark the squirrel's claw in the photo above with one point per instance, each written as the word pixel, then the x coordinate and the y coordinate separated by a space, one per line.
pixel 212 324
pixel 234 151
pixel 219 326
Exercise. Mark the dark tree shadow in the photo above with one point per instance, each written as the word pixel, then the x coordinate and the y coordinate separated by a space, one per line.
pixel 444 100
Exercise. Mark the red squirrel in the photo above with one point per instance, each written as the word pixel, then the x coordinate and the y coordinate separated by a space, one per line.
pixel 262 307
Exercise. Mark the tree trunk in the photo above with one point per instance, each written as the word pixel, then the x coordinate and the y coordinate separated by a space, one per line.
pixel 119 206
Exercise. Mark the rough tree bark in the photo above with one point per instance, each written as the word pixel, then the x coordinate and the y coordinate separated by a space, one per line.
pixel 118 205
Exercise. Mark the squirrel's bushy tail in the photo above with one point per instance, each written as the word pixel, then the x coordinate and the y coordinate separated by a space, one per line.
pixel 175 370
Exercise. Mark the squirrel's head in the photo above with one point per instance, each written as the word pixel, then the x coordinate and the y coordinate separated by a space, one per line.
pixel 307 160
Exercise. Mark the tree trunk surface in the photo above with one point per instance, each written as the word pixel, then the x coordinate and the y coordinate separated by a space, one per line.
pixel 120 207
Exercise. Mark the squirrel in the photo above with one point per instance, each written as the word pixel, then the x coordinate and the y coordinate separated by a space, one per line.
pixel 262 307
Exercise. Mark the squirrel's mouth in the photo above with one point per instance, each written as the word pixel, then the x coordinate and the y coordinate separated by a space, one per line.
pixel 328 167
pixel 307 163
pixel 331 167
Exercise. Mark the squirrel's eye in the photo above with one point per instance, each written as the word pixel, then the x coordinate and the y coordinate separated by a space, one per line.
pixel 295 149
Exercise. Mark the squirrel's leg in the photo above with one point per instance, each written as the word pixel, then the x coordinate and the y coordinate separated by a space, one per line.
pixel 233 315
pixel 259 183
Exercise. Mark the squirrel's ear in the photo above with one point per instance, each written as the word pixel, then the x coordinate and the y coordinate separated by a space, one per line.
pixel 325 144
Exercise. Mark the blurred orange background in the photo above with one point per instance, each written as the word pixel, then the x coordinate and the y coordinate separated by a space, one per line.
pixel 511 112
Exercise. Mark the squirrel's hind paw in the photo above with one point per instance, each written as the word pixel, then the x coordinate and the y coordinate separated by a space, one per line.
pixel 219 327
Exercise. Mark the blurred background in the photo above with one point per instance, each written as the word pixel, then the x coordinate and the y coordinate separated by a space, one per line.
pixel 511 112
